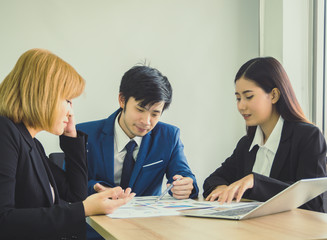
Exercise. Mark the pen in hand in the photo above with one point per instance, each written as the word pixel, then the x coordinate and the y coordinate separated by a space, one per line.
pixel 167 189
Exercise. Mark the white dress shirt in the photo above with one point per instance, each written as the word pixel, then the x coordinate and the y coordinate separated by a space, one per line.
pixel 52 193
pixel 120 141
pixel 266 152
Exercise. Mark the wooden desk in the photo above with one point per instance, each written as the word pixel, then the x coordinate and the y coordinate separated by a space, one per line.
pixel 296 224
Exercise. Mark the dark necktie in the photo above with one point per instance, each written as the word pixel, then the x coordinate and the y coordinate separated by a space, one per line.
pixel 128 164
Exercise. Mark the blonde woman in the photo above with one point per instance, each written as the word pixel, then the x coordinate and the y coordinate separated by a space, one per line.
pixel 38 200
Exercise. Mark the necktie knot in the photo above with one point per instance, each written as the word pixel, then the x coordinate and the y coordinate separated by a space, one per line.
pixel 130 146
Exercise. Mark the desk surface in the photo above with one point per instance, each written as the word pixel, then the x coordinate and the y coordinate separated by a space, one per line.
pixel 295 224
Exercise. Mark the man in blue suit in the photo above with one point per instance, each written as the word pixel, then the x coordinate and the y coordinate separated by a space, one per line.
pixel 143 96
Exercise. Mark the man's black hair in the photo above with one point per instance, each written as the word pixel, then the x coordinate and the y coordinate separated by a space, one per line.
pixel 146 84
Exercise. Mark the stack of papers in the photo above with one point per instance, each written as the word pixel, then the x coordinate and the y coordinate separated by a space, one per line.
pixel 167 206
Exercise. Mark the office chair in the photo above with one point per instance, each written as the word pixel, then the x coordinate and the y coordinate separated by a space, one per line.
pixel 58 158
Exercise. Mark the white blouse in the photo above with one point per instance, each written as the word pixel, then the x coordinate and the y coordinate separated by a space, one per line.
pixel 266 152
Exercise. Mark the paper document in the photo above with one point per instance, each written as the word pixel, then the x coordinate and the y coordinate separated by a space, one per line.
pixel 167 206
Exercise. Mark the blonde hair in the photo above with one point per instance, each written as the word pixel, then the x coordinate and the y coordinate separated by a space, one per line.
pixel 32 91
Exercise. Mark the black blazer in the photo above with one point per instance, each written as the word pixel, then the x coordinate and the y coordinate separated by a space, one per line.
pixel 27 210
pixel 301 154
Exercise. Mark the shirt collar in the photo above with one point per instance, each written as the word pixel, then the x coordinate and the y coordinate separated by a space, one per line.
pixel 273 140
pixel 121 138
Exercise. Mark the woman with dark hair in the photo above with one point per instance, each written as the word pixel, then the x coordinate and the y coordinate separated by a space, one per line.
pixel 281 145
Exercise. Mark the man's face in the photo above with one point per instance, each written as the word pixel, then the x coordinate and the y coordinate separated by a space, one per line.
pixel 136 120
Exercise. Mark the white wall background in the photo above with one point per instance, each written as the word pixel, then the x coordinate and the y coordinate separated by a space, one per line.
pixel 199 45
pixel 288 36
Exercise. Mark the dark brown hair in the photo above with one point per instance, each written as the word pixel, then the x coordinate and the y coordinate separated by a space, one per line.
pixel 268 74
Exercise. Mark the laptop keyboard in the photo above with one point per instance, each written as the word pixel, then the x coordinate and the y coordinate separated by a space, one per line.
pixel 235 212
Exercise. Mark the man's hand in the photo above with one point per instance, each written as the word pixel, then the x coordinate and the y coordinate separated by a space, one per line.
pixel 182 188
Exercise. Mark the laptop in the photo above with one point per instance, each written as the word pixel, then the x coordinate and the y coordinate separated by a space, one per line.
pixel 290 198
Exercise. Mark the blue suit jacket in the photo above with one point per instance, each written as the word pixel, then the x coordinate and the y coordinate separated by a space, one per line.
pixel 161 152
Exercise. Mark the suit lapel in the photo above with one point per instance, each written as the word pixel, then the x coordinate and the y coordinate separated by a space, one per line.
pixel 140 158
pixel 53 182
pixel 41 173
pixel 282 151
pixel 107 146
pixel 36 161
pixel 250 159
pixel 48 172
